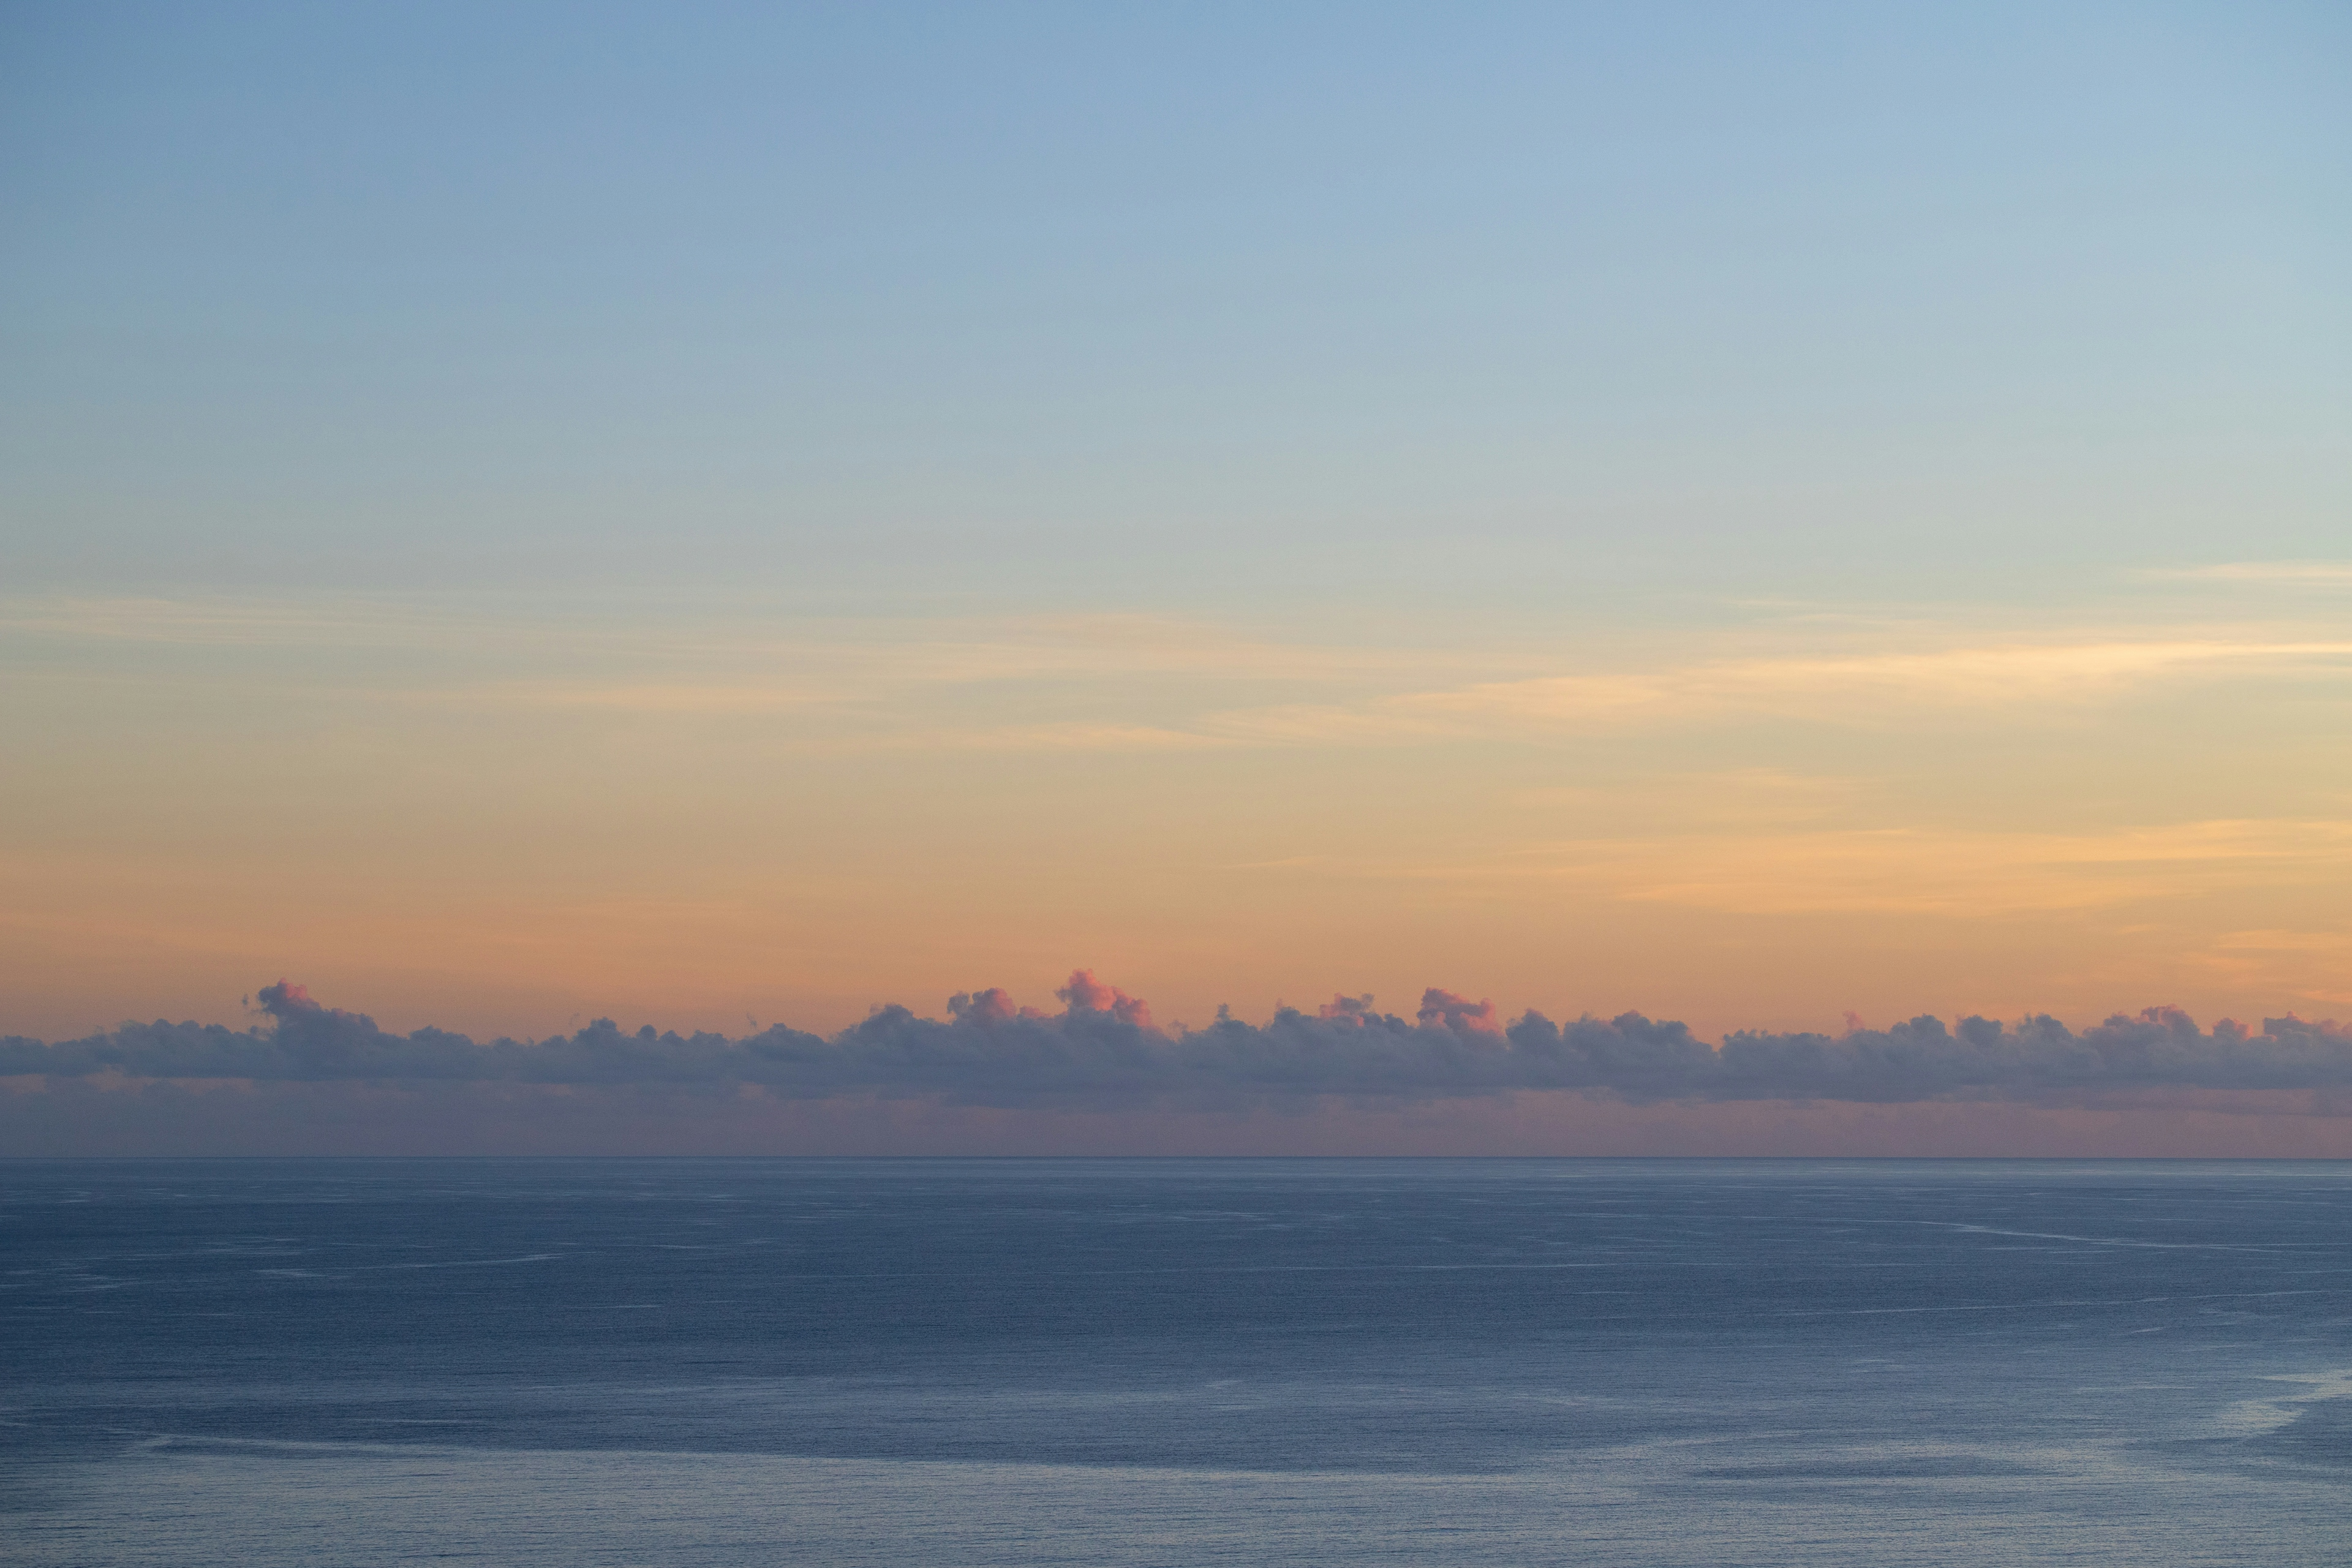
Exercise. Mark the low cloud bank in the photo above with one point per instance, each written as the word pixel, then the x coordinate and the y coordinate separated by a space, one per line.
pixel 1102 1050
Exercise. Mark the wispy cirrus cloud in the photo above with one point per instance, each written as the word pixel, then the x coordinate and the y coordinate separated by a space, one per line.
pixel 2286 942
pixel 2284 573
pixel 1854 688
pixel 684 698
pixel 1117 681
pixel 1915 870
pixel 746 639
pixel 1848 690
pixel 1958 873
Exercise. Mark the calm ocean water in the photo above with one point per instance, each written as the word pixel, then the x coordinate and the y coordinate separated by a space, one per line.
pixel 720 1362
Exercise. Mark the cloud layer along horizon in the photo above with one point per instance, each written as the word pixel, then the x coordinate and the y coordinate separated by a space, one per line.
pixel 1101 1051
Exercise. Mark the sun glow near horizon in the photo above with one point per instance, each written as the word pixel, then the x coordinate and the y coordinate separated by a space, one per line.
pixel 748 802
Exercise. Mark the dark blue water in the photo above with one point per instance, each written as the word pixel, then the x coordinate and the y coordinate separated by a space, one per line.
pixel 1169 1362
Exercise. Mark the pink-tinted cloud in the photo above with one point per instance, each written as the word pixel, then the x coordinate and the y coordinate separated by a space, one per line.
pixel 990 1007
pixel 286 998
pixel 1086 994
pixel 1444 1010
pixel 288 1002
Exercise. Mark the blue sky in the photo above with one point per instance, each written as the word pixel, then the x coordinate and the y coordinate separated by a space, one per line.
pixel 1201 306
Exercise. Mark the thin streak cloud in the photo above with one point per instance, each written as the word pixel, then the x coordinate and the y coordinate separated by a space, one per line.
pixel 1854 690
pixel 885 648
pixel 1965 875
pixel 2289 574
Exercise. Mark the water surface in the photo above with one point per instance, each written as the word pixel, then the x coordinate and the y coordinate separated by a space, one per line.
pixel 736 1361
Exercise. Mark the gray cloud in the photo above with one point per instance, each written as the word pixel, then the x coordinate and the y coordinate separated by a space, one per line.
pixel 1102 1051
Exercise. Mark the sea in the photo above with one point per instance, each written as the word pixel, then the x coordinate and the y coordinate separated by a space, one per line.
pixel 722 1363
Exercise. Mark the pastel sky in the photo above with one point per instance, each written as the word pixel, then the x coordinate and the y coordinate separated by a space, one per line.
pixel 727 516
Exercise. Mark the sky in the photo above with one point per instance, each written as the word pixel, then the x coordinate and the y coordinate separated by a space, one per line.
pixel 1776 518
